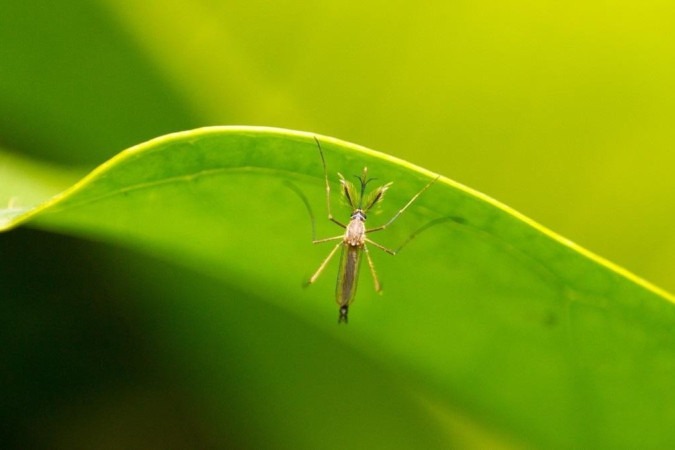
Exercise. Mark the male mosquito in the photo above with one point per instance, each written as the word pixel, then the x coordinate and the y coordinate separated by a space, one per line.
pixel 354 239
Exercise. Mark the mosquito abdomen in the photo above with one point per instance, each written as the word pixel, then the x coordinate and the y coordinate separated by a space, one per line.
pixel 348 276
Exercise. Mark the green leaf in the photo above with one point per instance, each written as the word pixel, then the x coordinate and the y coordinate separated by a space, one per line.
pixel 491 329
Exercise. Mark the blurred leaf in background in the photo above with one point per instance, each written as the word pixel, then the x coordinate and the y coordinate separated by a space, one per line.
pixel 563 111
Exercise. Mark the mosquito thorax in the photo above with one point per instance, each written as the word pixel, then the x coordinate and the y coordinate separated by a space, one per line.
pixel 355 233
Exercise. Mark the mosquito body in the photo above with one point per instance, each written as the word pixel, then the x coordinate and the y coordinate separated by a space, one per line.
pixel 354 240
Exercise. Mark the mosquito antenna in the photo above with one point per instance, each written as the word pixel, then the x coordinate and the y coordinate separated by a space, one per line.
pixel 363 180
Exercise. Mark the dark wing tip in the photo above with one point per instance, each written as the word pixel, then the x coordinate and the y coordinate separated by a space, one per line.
pixel 344 310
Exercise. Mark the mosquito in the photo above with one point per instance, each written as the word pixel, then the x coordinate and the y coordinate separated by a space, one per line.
pixel 354 240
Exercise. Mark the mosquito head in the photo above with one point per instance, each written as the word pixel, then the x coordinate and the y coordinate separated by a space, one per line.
pixel 359 214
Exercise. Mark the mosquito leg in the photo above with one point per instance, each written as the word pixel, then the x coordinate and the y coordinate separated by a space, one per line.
pixel 400 211
pixel 381 247
pixel 417 232
pixel 302 196
pixel 376 281
pixel 334 238
pixel 323 265
pixel 336 222
pixel 325 176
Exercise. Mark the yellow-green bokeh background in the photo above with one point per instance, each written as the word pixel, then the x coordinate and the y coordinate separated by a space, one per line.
pixel 563 111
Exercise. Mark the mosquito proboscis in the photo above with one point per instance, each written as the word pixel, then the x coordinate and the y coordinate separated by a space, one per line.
pixel 354 241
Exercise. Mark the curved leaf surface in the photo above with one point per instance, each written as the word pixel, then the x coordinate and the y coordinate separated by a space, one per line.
pixel 486 319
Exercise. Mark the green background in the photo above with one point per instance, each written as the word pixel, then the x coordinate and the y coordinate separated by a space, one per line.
pixel 563 111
